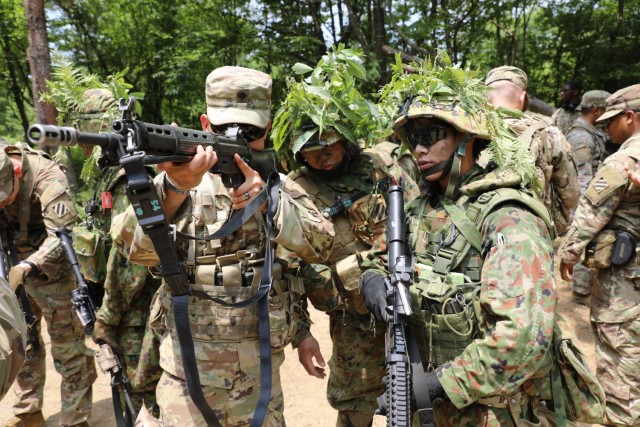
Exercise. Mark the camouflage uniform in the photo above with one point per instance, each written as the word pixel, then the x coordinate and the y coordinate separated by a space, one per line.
pixel 13 337
pixel 564 118
pixel 589 144
pixel 225 339
pixel 516 303
pixel 129 289
pixel 44 204
pixel 227 347
pixel 609 206
pixel 357 364
pixel 555 164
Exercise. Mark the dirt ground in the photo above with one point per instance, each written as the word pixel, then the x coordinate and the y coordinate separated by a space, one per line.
pixel 305 401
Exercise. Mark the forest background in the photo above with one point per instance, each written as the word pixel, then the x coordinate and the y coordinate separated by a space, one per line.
pixel 167 48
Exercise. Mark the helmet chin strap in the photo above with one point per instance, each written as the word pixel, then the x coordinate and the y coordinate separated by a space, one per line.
pixel 457 162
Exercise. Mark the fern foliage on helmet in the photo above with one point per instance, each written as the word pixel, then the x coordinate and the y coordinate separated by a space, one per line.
pixel 327 100
pixel 66 90
pixel 436 88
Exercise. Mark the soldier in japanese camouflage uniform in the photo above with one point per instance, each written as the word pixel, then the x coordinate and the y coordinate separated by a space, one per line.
pixel 590 149
pixel 35 201
pixel 349 185
pixel 128 288
pixel 226 341
pixel 606 227
pixel 483 295
pixel 552 153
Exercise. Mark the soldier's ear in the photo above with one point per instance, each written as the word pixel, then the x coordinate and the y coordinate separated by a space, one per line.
pixel 206 124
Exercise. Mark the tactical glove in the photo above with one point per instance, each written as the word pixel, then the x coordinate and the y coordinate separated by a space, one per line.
pixel 374 291
pixel 106 334
pixel 18 276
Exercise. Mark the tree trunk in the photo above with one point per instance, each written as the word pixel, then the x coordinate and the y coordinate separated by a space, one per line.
pixel 39 59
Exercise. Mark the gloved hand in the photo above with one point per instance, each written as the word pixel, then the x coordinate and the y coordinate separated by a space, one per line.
pixel 18 275
pixel 374 291
pixel 106 334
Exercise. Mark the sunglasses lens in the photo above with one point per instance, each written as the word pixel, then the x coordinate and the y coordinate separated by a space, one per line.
pixel 426 136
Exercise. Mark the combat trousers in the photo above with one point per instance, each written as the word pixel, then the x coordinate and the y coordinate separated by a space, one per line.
pixel 71 358
pixel 234 407
pixel 357 367
pixel 582 279
pixel 618 369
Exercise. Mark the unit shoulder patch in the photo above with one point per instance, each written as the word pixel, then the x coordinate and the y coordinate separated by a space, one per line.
pixel 607 180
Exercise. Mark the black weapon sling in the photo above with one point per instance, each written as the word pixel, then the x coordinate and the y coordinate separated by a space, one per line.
pixel 148 209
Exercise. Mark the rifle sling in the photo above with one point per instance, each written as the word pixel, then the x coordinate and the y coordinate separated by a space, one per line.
pixel 148 210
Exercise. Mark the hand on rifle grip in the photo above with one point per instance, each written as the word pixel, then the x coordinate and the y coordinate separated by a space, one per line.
pixel 374 291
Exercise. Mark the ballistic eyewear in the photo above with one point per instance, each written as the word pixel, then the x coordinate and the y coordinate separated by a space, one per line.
pixel 249 132
pixel 426 136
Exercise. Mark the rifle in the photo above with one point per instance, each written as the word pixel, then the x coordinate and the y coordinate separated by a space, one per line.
pixel 107 359
pixel 32 322
pixel 161 143
pixel 396 402
pixel 4 262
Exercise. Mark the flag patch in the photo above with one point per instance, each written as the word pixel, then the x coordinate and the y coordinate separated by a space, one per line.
pixel 60 209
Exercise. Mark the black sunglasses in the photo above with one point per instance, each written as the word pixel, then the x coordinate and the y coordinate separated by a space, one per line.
pixel 249 132
pixel 427 135
pixel 606 123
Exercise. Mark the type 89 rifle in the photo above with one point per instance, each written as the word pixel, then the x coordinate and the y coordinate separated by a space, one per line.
pixel 160 143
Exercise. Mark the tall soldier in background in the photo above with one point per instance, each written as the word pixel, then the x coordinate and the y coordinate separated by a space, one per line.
pixel 484 294
pixel 349 184
pixel 551 151
pixel 226 344
pixel 590 149
pixel 35 201
pixel 568 112
pixel 128 288
pixel 607 226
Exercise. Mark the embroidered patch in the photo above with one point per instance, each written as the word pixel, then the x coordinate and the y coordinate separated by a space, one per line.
pixel 600 185
pixel 60 209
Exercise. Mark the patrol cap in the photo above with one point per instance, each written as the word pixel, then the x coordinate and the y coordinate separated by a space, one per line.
pixel 6 175
pixel 624 99
pixel 594 98
pixel 238 95
pixel 509 73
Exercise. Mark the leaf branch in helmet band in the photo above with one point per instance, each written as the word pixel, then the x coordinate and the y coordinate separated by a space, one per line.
pixel 67 90
pixel 328 99
pixel 437 88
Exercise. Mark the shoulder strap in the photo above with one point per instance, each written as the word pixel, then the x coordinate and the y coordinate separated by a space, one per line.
pixel 538 124
pixel 31 160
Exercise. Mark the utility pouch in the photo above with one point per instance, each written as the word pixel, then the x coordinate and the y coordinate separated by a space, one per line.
pixel 348 270
pixel 603 249
pixel 89 244
pixel 624 249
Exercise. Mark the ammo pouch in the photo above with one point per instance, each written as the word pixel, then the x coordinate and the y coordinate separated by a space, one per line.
pixel 444 320
pixel 624 249
pixel 235 278
pixel 368 217
pixel 348 270
pixel 89 245
pixel 574 386
pixel 602 250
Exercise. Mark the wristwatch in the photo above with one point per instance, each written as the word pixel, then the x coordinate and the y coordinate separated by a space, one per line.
pixel 171 186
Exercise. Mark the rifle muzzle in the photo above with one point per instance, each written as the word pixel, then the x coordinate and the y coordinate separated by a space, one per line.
pixel 52 136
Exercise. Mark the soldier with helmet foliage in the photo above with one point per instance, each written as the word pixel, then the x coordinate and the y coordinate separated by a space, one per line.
pixel 322 136
pixel 483 294
pixel 121 321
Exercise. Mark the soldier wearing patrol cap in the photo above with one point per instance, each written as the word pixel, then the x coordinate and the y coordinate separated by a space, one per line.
pixel 34 202
pixel 226 344
pixel 607 226
pixel 589 149
pixel 551 151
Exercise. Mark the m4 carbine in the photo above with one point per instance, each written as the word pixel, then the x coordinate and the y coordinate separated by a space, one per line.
pixel 161 143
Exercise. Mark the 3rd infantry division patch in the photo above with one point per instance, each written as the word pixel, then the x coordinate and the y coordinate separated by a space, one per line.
pixel 60 209
pixel 600 185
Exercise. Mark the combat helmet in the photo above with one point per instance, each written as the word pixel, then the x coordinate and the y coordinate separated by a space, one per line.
pixel 326 107
pixel 438 90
